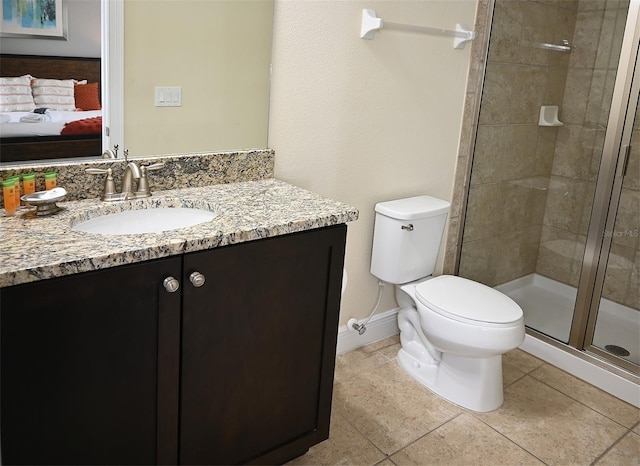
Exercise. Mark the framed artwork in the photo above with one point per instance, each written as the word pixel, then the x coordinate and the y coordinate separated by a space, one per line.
pixel 35 19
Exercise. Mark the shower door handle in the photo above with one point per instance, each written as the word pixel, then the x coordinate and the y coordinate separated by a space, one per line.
pixel 625 160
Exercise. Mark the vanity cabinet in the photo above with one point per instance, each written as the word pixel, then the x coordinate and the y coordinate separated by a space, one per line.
pixel 109 367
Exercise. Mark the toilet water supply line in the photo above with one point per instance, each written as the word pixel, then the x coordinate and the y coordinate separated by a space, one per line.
pixel 361 328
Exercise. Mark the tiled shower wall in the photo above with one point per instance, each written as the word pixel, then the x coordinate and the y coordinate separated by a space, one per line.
pixel 531 188
pixel 585 110
pixel 513 156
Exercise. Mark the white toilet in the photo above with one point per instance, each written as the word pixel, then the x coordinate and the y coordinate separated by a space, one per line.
pixel 453 330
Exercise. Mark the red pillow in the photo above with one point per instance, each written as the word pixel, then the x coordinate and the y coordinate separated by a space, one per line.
pixel 86 126
pixel 87 97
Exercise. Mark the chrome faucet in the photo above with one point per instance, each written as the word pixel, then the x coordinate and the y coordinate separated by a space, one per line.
pixel 131 172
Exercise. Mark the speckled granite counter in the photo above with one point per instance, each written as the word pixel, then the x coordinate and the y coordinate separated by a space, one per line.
pixel 39 248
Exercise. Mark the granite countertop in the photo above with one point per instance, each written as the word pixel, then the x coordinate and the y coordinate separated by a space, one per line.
pixel 37 248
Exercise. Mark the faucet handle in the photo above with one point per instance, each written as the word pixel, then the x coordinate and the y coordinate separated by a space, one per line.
pixel 109 184
pixel 153 166
pixel 143 183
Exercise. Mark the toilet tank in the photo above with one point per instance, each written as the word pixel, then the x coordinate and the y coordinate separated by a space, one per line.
pixel 407 237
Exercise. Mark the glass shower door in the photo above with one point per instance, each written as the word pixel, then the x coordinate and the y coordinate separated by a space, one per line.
pixel 614 328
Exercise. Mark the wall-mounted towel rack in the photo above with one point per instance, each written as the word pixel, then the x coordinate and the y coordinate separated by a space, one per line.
pixel 371 23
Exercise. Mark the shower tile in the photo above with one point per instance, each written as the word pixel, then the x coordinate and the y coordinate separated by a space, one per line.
pixel 463 440
pixel 489 150
pixel 545 149
pixel 626 226
pixel 557 80
pixel 576 95
pixel 588 395
pixel 475 262
pixel 521 260
pixel 585 42
pixel 482 217
pixel 390 408
pixel 599 101
pixel 518 155
pixel 345 446
pixel 607 38
pixel 537 23
pixel 497 94
pixel 618 279
pixel 565 200
pixel 574 151
pixel 528 94
pixel 624 453
pixel 560 255
pixel 533 410
pixel 505 31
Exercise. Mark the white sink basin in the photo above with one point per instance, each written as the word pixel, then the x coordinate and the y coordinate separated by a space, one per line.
pixel 152 220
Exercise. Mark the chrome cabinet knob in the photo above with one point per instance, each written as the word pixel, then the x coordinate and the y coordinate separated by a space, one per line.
pixel 197 279
pixel 171 284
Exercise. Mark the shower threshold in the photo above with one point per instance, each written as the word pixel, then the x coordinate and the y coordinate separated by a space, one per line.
pixel 548 308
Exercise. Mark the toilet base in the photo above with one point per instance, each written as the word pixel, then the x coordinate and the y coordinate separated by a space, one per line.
pixel 471 383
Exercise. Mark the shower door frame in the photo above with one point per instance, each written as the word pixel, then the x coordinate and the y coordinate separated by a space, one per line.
pixel 606 198
pixel 613 166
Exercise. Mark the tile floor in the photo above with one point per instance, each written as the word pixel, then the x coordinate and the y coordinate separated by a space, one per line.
pixel 381 416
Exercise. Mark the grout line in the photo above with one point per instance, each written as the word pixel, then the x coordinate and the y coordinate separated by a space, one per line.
pixel 582 403
pixel 508 438
pixel 613 445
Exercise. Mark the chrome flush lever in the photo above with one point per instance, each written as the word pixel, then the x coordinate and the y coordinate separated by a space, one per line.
pixel 407 227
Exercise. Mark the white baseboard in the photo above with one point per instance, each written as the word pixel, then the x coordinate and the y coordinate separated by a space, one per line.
pixel 379 327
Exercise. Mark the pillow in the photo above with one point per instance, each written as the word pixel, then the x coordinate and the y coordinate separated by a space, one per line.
pixel 15 94
pixel 85 126
pixel 56 94
pixel 87 96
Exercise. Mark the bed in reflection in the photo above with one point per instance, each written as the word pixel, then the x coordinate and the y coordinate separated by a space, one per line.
pixel 49 107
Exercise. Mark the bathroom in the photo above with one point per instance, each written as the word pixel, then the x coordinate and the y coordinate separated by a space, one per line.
pixel 368 121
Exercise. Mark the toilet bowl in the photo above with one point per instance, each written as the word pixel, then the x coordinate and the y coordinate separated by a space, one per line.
pixel 465 327
pixel 453 331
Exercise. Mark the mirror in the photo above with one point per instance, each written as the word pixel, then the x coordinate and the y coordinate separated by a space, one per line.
pixel 218 52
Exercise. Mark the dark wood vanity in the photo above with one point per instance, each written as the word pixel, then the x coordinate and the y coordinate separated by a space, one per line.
pixel 109 367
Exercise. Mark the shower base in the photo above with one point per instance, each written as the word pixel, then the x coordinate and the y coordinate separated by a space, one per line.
pixel 548 308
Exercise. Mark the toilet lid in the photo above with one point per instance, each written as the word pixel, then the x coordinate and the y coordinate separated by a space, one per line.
pixel 462 299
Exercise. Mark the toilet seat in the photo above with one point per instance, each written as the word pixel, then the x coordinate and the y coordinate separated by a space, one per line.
pixel 467 301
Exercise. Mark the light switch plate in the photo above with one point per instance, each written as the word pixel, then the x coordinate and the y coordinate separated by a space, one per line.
pixel 169 96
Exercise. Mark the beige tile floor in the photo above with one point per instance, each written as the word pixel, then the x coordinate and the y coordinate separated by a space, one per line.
pixel 381 416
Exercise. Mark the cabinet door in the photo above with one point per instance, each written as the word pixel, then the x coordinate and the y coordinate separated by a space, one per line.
pixel 258 348
pixel 79 366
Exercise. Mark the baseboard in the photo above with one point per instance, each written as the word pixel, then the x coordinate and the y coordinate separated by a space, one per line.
pixel 379 327
pixel 611 383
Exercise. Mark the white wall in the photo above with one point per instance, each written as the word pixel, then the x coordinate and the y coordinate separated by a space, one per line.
pixel 83 35
pixel 366 121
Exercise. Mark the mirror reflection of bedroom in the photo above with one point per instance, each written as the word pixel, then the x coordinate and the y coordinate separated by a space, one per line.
pixel 218 52
pixel 50 95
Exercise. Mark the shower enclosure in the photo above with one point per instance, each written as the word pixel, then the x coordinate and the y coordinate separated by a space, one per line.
pixel 553 208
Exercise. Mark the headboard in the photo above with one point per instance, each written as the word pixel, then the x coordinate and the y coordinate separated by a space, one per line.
pixel 50 67
pixel 49 147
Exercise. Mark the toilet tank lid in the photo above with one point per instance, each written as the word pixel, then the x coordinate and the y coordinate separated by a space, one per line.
pixel 413 208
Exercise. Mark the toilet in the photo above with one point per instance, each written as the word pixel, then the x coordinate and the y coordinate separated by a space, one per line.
pixel 453 331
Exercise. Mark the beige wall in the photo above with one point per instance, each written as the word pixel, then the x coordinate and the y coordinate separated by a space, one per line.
pixel 219 53
pixel 366 121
